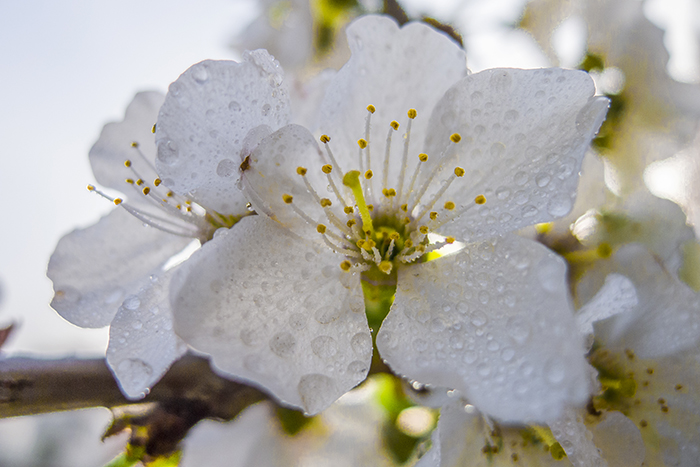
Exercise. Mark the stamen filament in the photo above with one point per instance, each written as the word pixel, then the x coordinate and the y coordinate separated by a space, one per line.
pixel 435 198
pixel 352 181
pixel 404 159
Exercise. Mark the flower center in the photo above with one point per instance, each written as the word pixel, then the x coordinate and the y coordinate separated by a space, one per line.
pixel 162 208
pixel 397 224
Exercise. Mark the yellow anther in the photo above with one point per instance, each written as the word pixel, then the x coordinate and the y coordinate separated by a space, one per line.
pixel 320 228
pixel 325 202
pixel 362 143
pixel 370 207
pixel 450 240
pixel 352 180
pixel 371 109
pixel 360 243
pixel 433 215
pixel 455 138
pixel 134 144
pixel 408 243
pixel 346 265
pixel 130 181
pixel 153 130
pixel 369 174
pixel 369 244
pixel 394 124
pixel 188 209
pixel 127 163
pixel 389 192
pixel 118 201
pixel 604 250
pixel 325 138
pixel 327 169
pixel 394 236
pixel 139 182
pixel 179 206
pixel 420 248
pixel 404 207
pixel 351 222
pixel 422 157
pixel 348 209
pixel 459 171
pixel 91 188
pixel 146 190
pixel 157 182
pixel 449 205
pixel 412 113
pixel 405 221
pixel 386 266
pixel 170 194
pixel 188 202
pixel 287 198
pixel 301 171
pixel 424 230
pixel 481 199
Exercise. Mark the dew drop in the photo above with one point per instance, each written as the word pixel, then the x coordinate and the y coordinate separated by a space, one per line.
pixel 361 344
pixel 283 344
pixel 469 357
pixel 463 307
pixel 542 180
pixel 234 106
pixel 200 75
pixel 266 110
pixel 559 205
pixel 518 329
pixel 529 211
pixel 324 346
pixel 507 354
pixel 226 168
pixel 132 302
pixel 555 370
pixel 357 369
pixel 134 374
pixel 520 178
pixel 168 152
pixel 497 150
pixel 503 193
pixel 479 319
pixel 136 324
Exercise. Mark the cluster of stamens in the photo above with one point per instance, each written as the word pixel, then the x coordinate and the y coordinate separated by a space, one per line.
pixel 400 226
pixel 173 213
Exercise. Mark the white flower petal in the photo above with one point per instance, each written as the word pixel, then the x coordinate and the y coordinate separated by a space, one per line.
pixel 617 295
pixel 575 439
pixel 142 343
pixel 206 116
pixel 464 438
pixel 394 69
pixel 524 134
pixel 114 146
pixel 667 319
pixel 619 440
pixel 93 269
pixel 276 311
pixel 271 173
pixel 493 321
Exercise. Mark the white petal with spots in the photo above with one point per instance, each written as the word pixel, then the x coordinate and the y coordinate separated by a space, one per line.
pixel 95 268
pixel 493 321
pixel 142 343
pixel 205 119
pixel 276 311
pixel 523 136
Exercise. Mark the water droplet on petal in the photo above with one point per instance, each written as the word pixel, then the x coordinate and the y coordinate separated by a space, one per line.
pixel 234 106
pixel 559 205
pixel 134 374
pixel 324 346
pixel 283 344
pixel 132 302
pixel 200 75
pixel 542 180
pixel 317 392
pixel 226 168
pixel 519 329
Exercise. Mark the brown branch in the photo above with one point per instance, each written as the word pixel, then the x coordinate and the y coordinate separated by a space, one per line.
pixel 31 386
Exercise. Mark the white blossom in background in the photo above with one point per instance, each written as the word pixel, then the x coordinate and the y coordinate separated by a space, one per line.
pixel 659 115
pixel 277 299
pixel 117 272
pixel 346 434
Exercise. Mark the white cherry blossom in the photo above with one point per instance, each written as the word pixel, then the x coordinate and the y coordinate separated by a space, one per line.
pixel 117 272
pixel 278 300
